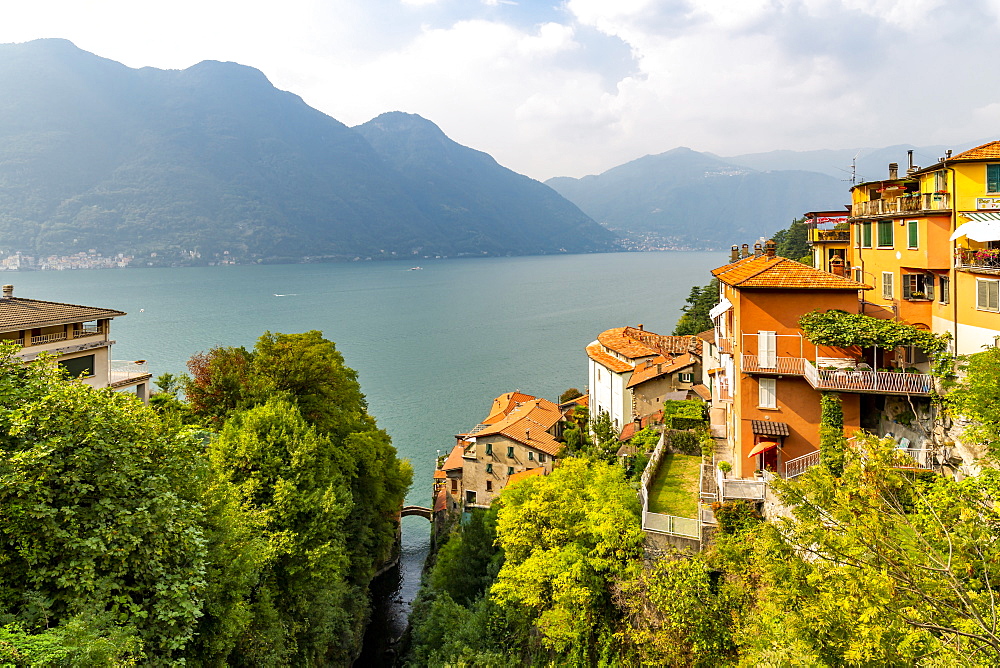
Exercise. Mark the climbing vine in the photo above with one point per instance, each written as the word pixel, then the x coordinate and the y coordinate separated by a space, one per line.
pixel 842 329
pixel 831 433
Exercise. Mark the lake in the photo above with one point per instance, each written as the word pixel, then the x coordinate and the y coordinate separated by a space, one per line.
pixel 432 347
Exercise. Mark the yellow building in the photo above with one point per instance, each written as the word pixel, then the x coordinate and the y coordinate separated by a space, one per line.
pixel 929 241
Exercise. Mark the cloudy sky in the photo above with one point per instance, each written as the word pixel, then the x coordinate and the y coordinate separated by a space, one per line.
pixel 574 87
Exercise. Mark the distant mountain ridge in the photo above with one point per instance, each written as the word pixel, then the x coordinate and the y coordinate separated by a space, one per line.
pixel 686 199
pixel 211 162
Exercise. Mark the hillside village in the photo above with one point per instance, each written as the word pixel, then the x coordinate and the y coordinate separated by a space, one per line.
pixel 799 364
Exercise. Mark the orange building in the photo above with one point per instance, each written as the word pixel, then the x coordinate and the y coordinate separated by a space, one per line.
pixel 770 377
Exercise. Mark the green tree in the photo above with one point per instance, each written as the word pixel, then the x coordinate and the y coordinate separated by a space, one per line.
pixel 99 510
pixel 699 302
pixel 831 433
pixel 976 398
pixel 793 242
pixel 570 394
pixel 566 537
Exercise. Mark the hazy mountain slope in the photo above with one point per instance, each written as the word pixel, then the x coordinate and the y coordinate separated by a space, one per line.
pixel 195 164
pixel 489 206
pixel 698 200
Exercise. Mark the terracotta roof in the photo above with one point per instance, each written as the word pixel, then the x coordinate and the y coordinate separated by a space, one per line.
pixel 631 428
pixel 17 313
pixel 648 371
pixel 988 151
pixel 769 428
pixel 761 271
pixel 527 422
pixel 521 475
pixel 504 404
pixel 702 391
pixel 595 353
pixel 628 431
pixel 708 335
pixel 454 460
pixel 440 474
pixel 665 345
pixel 616 340
pixel 441 501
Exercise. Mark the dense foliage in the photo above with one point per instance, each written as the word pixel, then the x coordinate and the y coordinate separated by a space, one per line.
pixel 976 398
pixel 842 329
pixel 127 537
pixel 699 302
pixel 793 242
pixel 831 432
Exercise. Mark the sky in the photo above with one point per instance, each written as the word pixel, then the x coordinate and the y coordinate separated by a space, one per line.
pixel 576 87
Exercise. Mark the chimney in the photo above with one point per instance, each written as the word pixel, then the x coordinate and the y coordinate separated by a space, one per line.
pixel 947 154
pixel 757 250
pixel 837 266
pixel 734 255
pixel 640 327
pixel 893 170
pixel 770 248
pixel 8 291
pixel 745 250
pixel 659 368
pixel 909 158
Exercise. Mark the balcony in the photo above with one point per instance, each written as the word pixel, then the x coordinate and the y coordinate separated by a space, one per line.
pixel 725 345
pixel 868 382
pixel 55 337
pixel 799 465
pixel 979 260
pixel 776 366
pixel 902 205
pixel 127 373
pixel 823 236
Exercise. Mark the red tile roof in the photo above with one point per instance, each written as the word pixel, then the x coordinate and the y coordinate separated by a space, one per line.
pixel 665 345
pixel 702 391
pixel 439 474
pixel 526 422
pixel 595 353
pixel 988 151
pixel 441 501
pixel 616 340
pixel 708 335
pixel 17 313
pixel 521 475
pixel 761 271
pixel 454 460
pixel 628 431
pixel 660 366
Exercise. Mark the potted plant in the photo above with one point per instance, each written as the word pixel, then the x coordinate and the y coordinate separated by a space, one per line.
pixel 725 467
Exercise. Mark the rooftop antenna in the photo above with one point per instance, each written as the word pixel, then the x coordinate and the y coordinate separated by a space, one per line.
pixel 854 169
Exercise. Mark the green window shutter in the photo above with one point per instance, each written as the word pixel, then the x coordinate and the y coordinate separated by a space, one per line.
pixel 510 450
pixel 489 468
pixel 994 296
pixel 911 229
pixel 987 295
pixel 531 455
pixel 885 233
pixel 489 448
pixel 866 235
pixel 510 470
pixel 993 178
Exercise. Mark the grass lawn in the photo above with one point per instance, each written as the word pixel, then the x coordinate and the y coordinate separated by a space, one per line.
pixel 675 489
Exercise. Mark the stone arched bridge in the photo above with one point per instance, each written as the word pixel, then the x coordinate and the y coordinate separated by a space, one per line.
pixel 419 511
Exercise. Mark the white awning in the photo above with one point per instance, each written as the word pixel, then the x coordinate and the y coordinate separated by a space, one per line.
pixel 720 308
pixel 983 226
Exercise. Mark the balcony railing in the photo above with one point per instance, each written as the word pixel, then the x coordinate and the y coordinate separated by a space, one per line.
pixel 17 342
pixel 725 345
pixel 48 338
pixel 123 373
pixel 799 465
pixel 776 365
pixel 986 259
pixel 87 331
pixel 829 235
pixel 906 204
pixel 875 382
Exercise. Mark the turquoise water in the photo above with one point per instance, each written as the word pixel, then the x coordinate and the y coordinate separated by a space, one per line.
pixel 432 348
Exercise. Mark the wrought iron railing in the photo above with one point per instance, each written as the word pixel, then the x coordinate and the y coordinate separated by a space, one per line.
pixel 799 465
pixel 782 365
pixel 829 235
pixel 879 382
pixel 903 204
pixel 982 258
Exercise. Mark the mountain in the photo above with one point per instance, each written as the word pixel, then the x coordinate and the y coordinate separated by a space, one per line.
pixel 212 162
pixel 686 199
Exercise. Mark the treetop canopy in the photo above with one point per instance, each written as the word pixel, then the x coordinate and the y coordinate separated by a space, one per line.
pixel 842 329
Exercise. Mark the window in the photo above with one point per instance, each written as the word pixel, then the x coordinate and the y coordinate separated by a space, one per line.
pixel 768 393
pixel 531 456
pixel 859 275
pixel 489 448
pixel 940 181
pixel 79 366
pixel 541 457
pixel 911 234
pixel 454 485
pixel 489 468
pixel 767 345
pixel 470 497
pixel 944 294
pixel 993 178
pixel 887 277
pixel 885 234
pixel 510 450
pixel 918 286
pixel 866 235
pixel 987 294
pixel 489 485
pixel 687 377
pixel 510 470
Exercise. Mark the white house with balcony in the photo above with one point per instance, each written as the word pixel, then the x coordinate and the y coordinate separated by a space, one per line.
pixel 78 336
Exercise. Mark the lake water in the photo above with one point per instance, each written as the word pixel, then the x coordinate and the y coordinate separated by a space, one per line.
pixel 432 347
